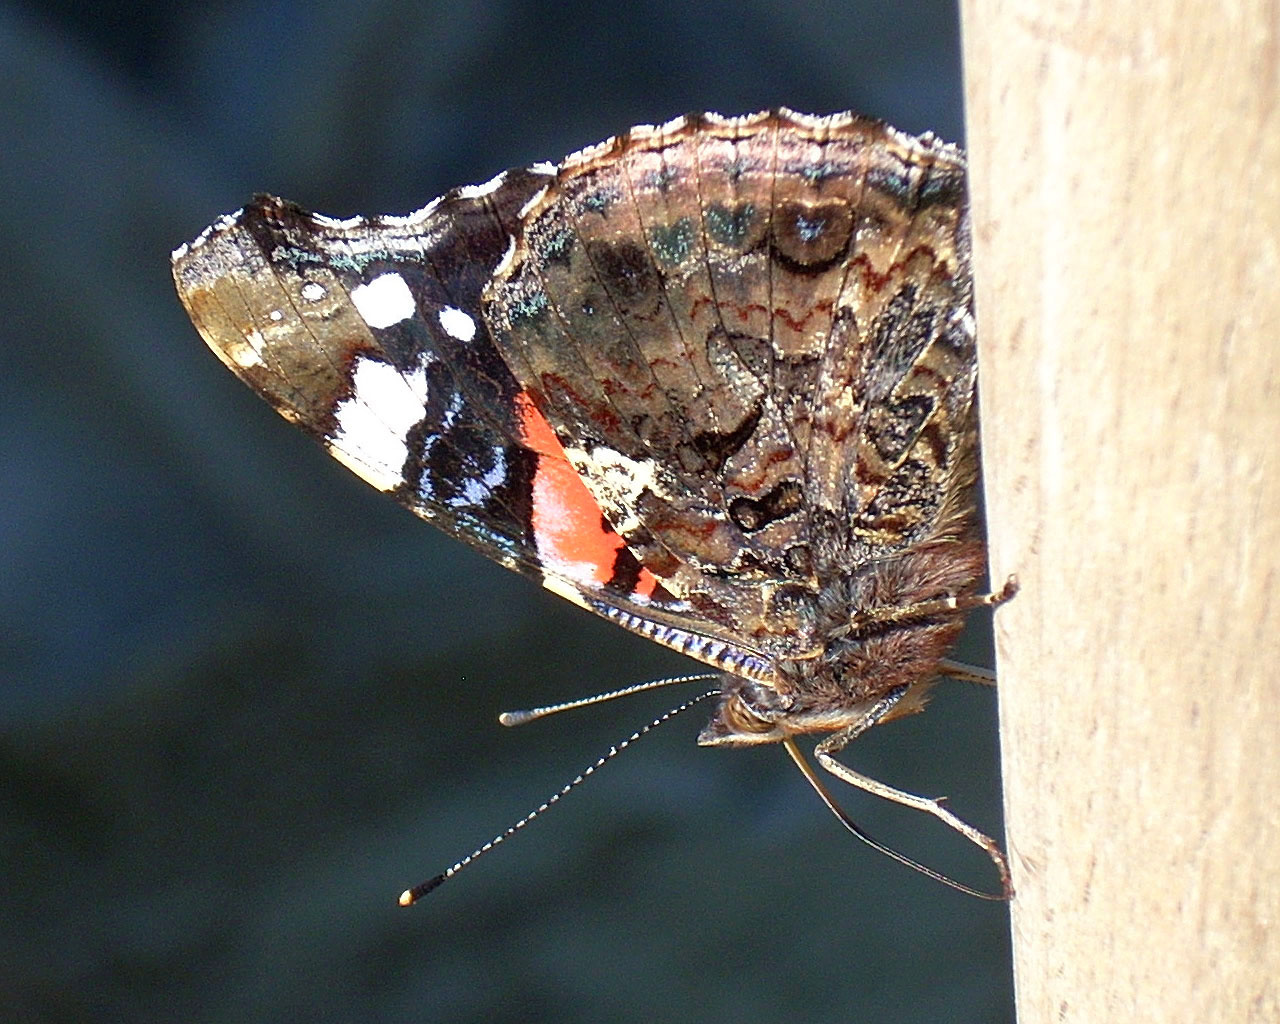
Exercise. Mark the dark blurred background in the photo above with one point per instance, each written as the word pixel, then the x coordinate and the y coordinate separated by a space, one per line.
pixel 245 700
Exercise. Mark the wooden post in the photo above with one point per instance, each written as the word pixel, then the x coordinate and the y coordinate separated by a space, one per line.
pixel 1126 192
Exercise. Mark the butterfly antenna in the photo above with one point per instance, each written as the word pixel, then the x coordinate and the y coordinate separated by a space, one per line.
pixel 521 717
pixel 411 896
pixel 875 844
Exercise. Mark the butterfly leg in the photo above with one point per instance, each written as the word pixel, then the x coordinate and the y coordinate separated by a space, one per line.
pixel 937 606
pixel 825 753
pixel 966 673
pixel 976 673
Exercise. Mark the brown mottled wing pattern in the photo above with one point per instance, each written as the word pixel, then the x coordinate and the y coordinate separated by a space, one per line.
pixel 895 428
pixel 753 337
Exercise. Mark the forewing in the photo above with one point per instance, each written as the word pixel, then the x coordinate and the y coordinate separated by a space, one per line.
pixel 367 334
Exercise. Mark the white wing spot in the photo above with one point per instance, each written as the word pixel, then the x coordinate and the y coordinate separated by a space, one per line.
pixel 384 301
pixel 374 423
pixel 276 315
pixel 457 324
pixel 313 292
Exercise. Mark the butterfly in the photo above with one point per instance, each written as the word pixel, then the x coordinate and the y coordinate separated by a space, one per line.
pixel 713 380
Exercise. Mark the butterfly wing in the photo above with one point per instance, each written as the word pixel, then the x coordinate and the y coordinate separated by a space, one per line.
pixel 368 335
pixel 723 319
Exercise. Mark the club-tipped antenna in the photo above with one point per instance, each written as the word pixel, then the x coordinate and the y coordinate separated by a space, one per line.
pixel 874 843
pixel 521 717
pixel 411 896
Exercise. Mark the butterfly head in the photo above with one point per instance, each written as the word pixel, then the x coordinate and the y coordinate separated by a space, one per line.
pixel 826 693
pixel 751 712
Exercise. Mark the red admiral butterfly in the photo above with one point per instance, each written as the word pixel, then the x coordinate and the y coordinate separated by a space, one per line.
pixel 712 380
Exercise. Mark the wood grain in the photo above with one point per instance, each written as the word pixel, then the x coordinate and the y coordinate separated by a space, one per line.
pixel 1126 188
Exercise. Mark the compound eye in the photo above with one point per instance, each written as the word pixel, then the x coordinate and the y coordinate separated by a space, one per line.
pixel 743 719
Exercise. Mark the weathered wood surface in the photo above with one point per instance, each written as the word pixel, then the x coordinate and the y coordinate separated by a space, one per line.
pixel 1126 183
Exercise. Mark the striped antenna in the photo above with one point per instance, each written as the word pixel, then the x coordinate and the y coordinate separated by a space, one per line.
pixel 521 717
pixel 411 896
